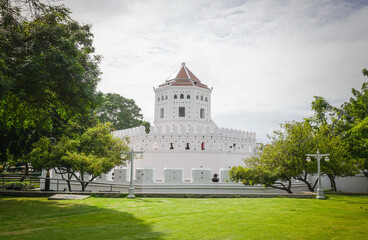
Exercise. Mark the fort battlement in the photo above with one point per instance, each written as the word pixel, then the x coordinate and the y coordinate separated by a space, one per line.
pixel 193 138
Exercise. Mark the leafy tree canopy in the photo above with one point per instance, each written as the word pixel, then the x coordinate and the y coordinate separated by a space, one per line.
pixel 48 73
pixel 284 159
pixel 122 112
pixel 342 132
pixel 355 125
pixel 84 156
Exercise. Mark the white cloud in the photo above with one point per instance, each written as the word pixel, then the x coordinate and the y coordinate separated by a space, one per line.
pixel 265 59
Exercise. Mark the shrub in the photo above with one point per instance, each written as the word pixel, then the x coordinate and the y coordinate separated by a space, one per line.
pixel 16 186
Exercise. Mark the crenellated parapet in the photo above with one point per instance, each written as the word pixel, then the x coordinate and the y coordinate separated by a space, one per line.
pixel 194 138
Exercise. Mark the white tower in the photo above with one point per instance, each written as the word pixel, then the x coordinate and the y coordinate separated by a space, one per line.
pixel 183 101
pixel 184 135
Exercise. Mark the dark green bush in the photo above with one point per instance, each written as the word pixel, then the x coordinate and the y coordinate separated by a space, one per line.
pixel 16 185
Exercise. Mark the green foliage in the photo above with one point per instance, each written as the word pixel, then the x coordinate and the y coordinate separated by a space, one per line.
pixel 48 73
pixel 341 132
pixel 284 158
pixel 256 172
pixel 48 57
pixel 91 153
pixel 16 186
pixel 281 160
pixel 321 107
pixel 355 125
pixel 341 163
pixel 122 112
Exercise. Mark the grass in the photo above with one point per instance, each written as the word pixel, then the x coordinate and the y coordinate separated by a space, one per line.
pixel 339 217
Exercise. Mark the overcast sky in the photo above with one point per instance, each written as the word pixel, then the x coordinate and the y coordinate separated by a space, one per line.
pixel 264 59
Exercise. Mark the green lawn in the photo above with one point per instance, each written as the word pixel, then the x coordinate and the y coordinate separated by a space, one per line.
pixel 339 217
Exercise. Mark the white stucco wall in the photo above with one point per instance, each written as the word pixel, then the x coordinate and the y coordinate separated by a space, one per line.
pixel 187 161
pixel 357 183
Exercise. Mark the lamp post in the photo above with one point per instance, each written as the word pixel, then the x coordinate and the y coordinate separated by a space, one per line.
pixel 132 154
pixel 319 156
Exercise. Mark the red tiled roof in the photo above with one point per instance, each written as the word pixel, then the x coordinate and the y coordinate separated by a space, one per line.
pixel 182 74
pixel 183 77
pixel 192 76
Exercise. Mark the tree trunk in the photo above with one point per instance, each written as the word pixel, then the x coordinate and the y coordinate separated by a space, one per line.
pixel 310 188
pixel 69 186
pixel 69 176
pixel 287 189
pixel 333 183
pixel 365 172
pixel 82 181
pixel 27 170
pixel 315 184
pixel 3 157
pixel 47 181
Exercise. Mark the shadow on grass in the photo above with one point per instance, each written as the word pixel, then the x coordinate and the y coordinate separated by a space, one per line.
pixel 34 218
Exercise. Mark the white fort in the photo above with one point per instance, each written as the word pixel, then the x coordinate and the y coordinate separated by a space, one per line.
pixel 184 136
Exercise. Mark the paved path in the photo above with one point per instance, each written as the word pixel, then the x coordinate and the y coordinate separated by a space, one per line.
pixel 67 197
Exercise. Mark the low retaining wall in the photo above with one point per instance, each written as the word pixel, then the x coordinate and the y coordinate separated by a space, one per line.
pixel 158 195
pixel 163 188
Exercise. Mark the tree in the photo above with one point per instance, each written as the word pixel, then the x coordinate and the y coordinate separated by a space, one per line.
pixel 349 122
pixel 260 171
pixel 321 107
pixel 358 138
pixel 340 163
pixel 122 112
pixel 299 138
pixel 48 73
pixel 355 125
pixel 282 160
pixel 331 138
pixel 83 156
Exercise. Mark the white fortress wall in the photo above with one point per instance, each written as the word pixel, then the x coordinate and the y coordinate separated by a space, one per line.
pixel 200 139
pixel 188 160
pixel 200 147
pixel 357 183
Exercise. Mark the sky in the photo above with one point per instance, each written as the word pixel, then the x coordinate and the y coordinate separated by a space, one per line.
pixel 265 59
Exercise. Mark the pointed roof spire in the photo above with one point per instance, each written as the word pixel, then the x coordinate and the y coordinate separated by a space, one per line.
pixel 183 77
pixel 183 73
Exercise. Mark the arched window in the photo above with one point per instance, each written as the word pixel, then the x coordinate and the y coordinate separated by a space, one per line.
pixel 162 97
pixel 188 97
pixel 181 96
pixel 197 97
pixel 202 97
pixel 202 145
pixel 166 97
pixel 175 96
pixel 158 99
pixel 206 99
